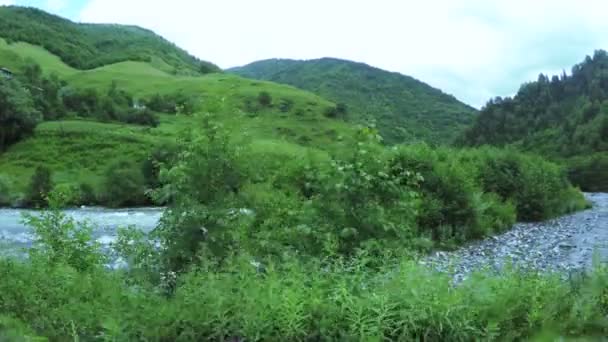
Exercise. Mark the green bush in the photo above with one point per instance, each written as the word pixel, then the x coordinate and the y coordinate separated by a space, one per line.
pixel 5 195
pixel 60 240
pixel 286 105
pixel 339 111
pixel 364 199
pixel 124 185
pixel 18 114
pixel 589 172
pixel 538 188
pixel 300 301
pixel 40 187
pixel 175 103
pixel 203 185
pixel 453 205
pixel 87 194
pixel 143 117
pixel 265 99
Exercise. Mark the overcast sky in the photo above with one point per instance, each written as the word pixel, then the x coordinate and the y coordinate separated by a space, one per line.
pixel 473 49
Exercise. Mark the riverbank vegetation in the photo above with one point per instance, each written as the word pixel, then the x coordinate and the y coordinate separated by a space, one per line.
pixel 322 248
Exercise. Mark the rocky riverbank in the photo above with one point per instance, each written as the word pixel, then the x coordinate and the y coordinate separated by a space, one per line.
pixel 567 244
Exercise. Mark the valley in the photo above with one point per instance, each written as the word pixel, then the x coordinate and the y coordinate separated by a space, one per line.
pixel 149 195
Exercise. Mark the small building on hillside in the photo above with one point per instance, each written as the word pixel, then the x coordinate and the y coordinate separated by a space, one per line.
pixel 4 72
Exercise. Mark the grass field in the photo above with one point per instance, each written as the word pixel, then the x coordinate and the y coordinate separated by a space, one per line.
pixel 79 151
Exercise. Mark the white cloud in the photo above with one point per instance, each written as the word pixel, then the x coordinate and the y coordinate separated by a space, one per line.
pixel 474 49
pixel 7 2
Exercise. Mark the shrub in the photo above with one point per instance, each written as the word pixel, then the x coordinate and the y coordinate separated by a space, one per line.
pixel 40 187
pixel 338 111
pixel 124 185
pixel 589 173
pixel 538 188
pixel 285 105
pixel 175 103
pixel 60 240
pixel 87 194
pixel 160 156
pixel 265 99
pixel 450 204
pixel 18 115
pixel 143 117
pixel 299 301
pixel 363 199
pixel 5 196
pixel 202 185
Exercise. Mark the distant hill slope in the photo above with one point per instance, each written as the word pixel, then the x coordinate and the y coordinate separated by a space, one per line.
pixel 87 46
pixel 404 108
pixel 565 117
pixel 78 150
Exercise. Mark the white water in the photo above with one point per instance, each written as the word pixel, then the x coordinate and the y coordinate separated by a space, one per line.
pixel 13 233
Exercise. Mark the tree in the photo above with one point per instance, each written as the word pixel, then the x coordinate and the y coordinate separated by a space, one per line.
pixel 201 184
pixel 339 111
pixel 18 115
pixel 4 191
pixel 40 187
pixel 265 99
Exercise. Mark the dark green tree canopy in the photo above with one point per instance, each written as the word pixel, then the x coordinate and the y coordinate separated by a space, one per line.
pixel 563 116
pixel 18 114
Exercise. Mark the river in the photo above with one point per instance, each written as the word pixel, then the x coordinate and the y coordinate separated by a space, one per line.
pixel 563 244
pixel 13 233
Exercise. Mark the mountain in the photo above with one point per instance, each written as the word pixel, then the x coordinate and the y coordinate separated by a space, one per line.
pixel 403 108
pixel 564 117
pixel 87 46
pixel 91 121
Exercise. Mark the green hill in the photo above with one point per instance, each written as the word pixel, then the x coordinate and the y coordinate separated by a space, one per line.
pixel 564 117
pixel 403 108
pixel 80 145
pixel 87 46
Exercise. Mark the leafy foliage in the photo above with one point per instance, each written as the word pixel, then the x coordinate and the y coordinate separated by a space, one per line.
pixel 403 108
pixel 55 99
pixel 18 115
pixel 176 103
pixel 124 185
pixel 78 148
pixel 87 46
pixel 565 117
pixel 322 252
pixel 40 187
pixel 299 301
pixel 202 185
pixel 371 198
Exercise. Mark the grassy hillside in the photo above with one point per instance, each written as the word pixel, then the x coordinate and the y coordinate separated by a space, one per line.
pixel 565 117
pixel 79 150
pixel 87 46
pixel 403 108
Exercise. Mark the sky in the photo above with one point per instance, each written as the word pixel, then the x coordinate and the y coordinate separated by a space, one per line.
pixel 472 49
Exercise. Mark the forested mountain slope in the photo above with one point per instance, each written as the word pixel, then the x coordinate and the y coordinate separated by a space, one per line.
pixel 404 109
pixel 87 46
pixel 565 117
